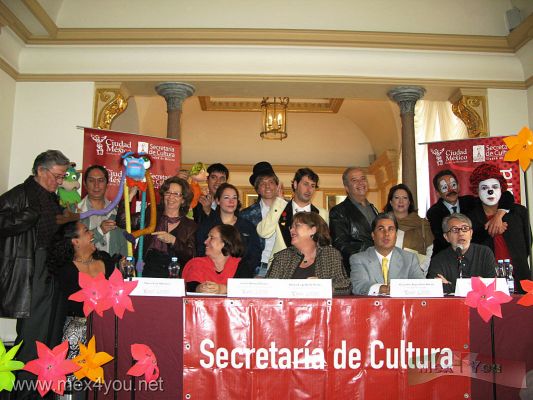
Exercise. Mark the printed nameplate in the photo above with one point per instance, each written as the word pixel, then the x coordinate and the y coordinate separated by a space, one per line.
pixel 159 287
pixel 464 285
pixel 281 288
pixel 416 288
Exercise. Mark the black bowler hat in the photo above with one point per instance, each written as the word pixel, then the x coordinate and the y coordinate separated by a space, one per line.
pixel 261 168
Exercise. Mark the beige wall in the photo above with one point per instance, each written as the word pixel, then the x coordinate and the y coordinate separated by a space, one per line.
pixel 7 102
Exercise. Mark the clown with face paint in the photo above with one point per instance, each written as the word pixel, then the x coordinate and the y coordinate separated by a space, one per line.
pixel 515 242
pixel 447 186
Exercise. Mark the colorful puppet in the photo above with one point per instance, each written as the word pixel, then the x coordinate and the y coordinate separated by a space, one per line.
pixel 137 175
pixel 197 176
pixel 67 191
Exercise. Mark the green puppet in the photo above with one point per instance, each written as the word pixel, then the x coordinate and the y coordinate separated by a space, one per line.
pixel 69 197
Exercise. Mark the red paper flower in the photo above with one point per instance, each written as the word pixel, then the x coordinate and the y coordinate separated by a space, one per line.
pixel 146 362
pixel 527 299
pixel 94 293
pixel 486 299
pixel 120 293
pixel 51 368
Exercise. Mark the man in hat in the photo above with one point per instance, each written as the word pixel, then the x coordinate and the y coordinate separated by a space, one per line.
pixel 264 213
pixel 304 186
pixel 217 175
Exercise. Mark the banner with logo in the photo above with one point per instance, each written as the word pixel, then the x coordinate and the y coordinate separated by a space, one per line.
pixel 325 349
pixel 463 156
pixel 106 148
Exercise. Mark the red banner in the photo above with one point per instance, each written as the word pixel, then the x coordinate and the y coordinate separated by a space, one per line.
pixel 106 148
pixel 463 156
pixel 319 349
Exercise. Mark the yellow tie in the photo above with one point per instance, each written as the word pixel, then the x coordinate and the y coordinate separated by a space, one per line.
pixel 385 269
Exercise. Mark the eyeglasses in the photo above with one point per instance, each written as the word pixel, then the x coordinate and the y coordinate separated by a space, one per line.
pixel 57 177
pixel 457 229
pixel 174 194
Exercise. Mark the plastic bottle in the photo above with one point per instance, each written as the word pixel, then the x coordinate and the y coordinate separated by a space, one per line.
pixel 499 270
pixel 509 275
pixel 174 268
pixel 128 267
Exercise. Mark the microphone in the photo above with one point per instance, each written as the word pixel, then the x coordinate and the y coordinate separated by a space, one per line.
pixel 460 263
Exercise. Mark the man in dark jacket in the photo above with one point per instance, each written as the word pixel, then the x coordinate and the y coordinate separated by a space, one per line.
pixel 28 215
pixel 350 221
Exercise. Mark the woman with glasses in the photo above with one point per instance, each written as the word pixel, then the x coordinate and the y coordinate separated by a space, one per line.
pixel 223 252
pixel 228 205
pixel 174 234
pixel 414 233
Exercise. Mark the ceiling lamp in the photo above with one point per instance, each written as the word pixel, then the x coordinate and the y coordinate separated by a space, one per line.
pixel 274 126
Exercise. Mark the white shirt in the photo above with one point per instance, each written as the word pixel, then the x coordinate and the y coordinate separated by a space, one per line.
pixel 450 209
pixel 374 289
pixel 296 208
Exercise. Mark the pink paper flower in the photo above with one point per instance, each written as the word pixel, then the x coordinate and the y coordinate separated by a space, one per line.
pixel 146 362
pixel 120 293
pixel 51 368
pixel 486 299
pixel 527 299
pixel 94 294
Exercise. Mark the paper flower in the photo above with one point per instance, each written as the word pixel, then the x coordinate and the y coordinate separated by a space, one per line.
pixel 120 293
pixel 94 293
pixel 146 362
pixel 527 299
pixel 520 148
pixel 486 299
pixel 51 368
pixel 91 362
pixel 7 365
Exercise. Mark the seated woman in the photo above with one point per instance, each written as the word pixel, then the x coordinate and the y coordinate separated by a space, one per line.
pixel 228 204
pixel 310 255
pixel 210 274
pixel 175 234
pixel 414 233
pixel 73 252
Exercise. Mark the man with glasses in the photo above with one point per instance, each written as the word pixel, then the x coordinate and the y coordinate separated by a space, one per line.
pixel 350 221
pixel 28 214
pixel 372 269
pixel 107 236
pixel 462 258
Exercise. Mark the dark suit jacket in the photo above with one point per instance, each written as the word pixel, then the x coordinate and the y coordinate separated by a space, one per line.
pixel 350 230
pixel 438 211
pixel 285 222
pixel 517 237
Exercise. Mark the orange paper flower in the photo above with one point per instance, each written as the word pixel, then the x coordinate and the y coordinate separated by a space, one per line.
pixel 527 299
pixel 91 362
pixel 520 148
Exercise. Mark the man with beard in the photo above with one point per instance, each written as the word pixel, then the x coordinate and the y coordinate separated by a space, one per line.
pixel 446 184
pixel 462 259
pixel 515 243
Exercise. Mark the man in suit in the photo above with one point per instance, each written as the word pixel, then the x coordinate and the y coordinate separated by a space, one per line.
pixel 268 208
pixel 217 175
pixel 372 269
pixel 350 221
pixel 447 186
pixel 304 186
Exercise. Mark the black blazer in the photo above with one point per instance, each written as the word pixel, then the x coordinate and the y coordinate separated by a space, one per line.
pixel 285 222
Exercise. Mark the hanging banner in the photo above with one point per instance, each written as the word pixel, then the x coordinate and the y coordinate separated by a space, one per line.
pixel 463 156
pixel 106 148
pixel 325 349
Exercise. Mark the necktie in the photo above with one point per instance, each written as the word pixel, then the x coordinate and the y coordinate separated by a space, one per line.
pixel 385 269
pixel 454 208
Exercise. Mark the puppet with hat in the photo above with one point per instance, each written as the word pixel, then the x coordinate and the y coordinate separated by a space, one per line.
pixel 488 183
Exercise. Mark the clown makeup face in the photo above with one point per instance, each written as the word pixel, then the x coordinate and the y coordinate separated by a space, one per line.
pixel 449 189
pixel 490 191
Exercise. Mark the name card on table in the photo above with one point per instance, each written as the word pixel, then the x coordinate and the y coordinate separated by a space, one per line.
pixel 416 288
pixel 464 285
pixel 281 288
pixel 159 287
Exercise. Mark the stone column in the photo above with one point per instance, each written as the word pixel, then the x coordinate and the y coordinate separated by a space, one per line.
pixel 406 97
pixel 174 93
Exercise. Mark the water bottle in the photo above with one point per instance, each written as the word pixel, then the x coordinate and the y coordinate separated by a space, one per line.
pixel 509 275
pixel 499 270
pixel 174 268
pixel 128 267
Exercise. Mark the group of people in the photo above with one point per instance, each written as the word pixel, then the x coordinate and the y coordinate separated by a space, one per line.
pixel 43 247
